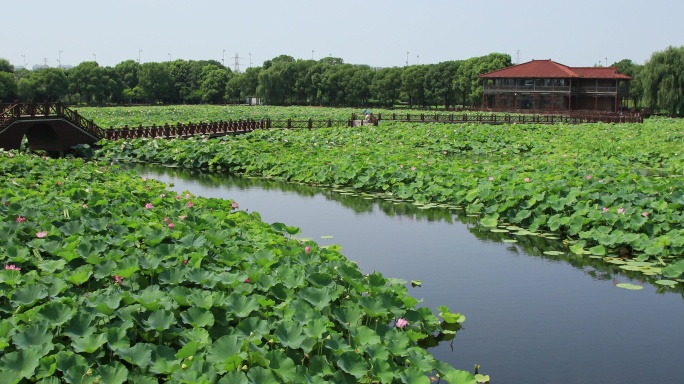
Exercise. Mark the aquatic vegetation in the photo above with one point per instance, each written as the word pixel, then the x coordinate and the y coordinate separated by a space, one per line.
pixel 590 184
pixel 109 292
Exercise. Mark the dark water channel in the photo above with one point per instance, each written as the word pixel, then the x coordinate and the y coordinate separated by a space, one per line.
pixel 531 318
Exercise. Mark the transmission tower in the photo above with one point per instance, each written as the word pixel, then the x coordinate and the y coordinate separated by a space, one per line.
pixel 237 62
pixel 517 56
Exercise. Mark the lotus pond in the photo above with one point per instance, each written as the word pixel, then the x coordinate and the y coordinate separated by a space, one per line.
pixel 537 313
pixel 112 278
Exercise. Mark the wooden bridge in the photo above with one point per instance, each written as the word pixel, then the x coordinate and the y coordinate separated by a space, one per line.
pixel 55 128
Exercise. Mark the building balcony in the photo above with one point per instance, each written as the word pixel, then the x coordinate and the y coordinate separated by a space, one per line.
pixel 526 89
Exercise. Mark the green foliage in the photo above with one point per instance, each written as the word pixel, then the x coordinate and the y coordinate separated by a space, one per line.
pixel 663 81
pixel 113 293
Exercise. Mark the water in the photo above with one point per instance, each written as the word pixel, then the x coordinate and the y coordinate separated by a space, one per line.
pixel 530 318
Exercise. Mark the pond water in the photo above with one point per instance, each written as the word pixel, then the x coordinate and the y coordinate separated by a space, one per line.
pixel 531 318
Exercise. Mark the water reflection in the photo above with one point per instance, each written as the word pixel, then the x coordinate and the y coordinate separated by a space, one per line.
pixel 364 203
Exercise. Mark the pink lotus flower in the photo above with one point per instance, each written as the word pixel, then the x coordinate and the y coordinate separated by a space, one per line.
pixel 644 214
pixel 84 206
pixel 189 204
pixel 401 322
pixel 21 219
pixel 178 197
pixel 621 211
pixel 588 177
pixel 162 195
pixel 41 234
pixel 144 179
pixel 149 206
pixel 172 225
pixel 59 183
pixel 183 217
pixel 413 168
pixel 307 249
pixel 401 165
pixel 12 267
pixel 491 178
pixel 166 220
pixel 118 280
pixel 527 179
pixel 248 280
pixel 234 205
pixel 605 209
pixel 185 262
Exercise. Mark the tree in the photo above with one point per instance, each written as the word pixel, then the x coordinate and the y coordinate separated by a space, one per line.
pixel 86 82
pixel 5 66
pixel 634 88
pixel 439 83
pixel 214 81
pixel 663 81
pixel 386 85
pixel 8 86
pixel 413 84
pixel 155 81
pixel 51 84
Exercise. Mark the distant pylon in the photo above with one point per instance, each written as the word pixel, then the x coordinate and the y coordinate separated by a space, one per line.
pixel 517 56
pixel 237 63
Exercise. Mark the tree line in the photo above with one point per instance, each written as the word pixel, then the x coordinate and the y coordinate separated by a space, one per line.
pixel 658 84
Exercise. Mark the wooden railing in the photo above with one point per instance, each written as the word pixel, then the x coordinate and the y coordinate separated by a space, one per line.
pixel 574 118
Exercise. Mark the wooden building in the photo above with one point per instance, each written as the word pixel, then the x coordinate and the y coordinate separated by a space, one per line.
pixel 547 86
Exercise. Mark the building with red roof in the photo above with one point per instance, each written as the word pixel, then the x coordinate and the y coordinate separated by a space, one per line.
pixel 547 86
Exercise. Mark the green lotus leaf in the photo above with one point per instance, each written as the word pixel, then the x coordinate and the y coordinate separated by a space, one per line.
pixel 413 375
pixel 164 360
pixel 10 277
pixel 198 317
pixel 283 366
pixel 29 294
pixel 172 276
pixel 79 326
pixel 192 241
pixel 282 228
pixel 490 220
pixel 398 342
pixel 666 282
pixel 127 267
pixel 225 354
pixel 50 266
pixel 253 326
pixel 383 371
pixel 160 320
pixel 115 373
pixel 188 350
pixel 234 377
pixel 72 228
pixel 79 375
pixel 117 338
pixel 90 343
pixel 242 306
pixel 631 287
pixel 499 230
pixel 365 336
pixel 598 250
pixel 21 363
pixel 262 376
pixel 140 354
pixel 55 313
pixel 79 275
pixel 36 336
pixel 316 327
pixel 318 297
pixel 348 316
pixel 353 364
pixel 289 334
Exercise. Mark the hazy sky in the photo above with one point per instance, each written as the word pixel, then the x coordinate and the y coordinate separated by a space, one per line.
pixel 378 33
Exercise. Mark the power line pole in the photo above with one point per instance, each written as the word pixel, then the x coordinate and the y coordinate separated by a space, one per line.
pixel 517 56
pixel 237 63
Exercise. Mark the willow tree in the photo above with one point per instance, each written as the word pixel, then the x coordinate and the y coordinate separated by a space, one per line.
pixel 663 81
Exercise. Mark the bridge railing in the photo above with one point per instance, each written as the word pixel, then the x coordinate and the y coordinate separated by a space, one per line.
pixel 575 118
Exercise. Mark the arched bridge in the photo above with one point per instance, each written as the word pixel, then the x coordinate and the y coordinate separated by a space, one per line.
pixel 56 128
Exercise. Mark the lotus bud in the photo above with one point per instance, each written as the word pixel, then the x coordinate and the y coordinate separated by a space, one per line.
pixel 89 372
pixel 183 366
pixel 244 367
pixel 328 337
pixel 190 358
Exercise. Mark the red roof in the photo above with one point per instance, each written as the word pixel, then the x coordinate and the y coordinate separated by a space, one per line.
pixel 549 69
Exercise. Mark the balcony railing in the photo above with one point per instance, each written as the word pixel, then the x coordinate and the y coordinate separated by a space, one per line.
pixel 526 88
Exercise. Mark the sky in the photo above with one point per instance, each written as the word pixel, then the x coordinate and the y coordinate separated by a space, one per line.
pixel 380 33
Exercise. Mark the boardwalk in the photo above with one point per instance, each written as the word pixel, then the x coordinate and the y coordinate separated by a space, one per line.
pixel 54 127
